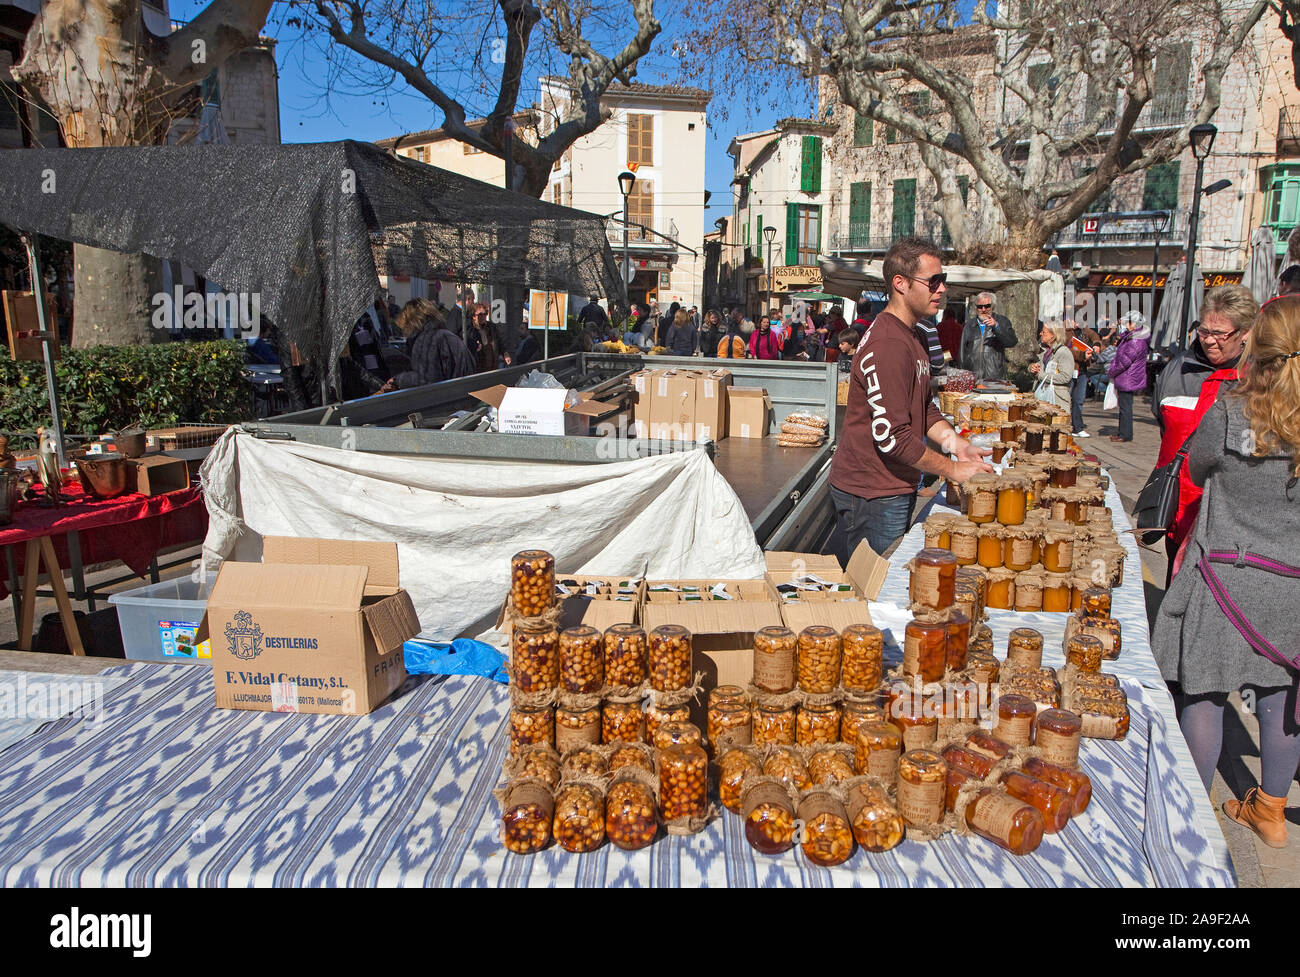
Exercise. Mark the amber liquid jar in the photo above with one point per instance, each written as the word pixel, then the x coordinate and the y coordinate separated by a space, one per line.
pixel 683 782
pixel 1095 602
pixel 976 764
pixel 1007 822
pixel 729 720
pixel 957 644
pixel 877 826
pixel 631 822
pixel 733 767
pixel 531 726
pixel 622 722
pixel 829 766
pixel 582 660
pixel 964 537
pixel 933 575
pixel 1016 714
pixel 922 777
pixel 1025 647
pixel 769 818
pixel 626 662
pixel 657 716
pixel 1013 500
pixel 532 582
pixel 579 824
pixel 828 838
pixel 1029 591
pixel 983 493
pixel 1034 439
pixel 915 718
pixel 1001 593
pixel 1015 412
pixel 983 742
pixel 818 659
pixel 669 647
pixel 1009 433
pixel 1058 552
pixel 773 724
pixel 788 767
pixel 1075 782
pixel 1084 652
pixel 576 727
pixel 526 818
pixel 1063 476
pixel 1059 732
pixel 774 658
pixel 1052 802
pixel 817 725
pixel 1000 449
pixel 854 716
pixel 1057 593
pixel 925 650
pixel 877 750
pixel 862 651
pixel 936 530
pixel 585 762
pixel 990 546
pixel 534 658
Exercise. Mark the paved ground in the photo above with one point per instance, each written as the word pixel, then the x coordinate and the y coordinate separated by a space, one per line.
pixel 1257 865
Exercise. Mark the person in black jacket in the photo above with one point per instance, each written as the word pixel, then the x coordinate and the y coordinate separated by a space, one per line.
pixel 985 340
pixel 666 323
pixel 712 333
pixel 437 354
pixel 528 351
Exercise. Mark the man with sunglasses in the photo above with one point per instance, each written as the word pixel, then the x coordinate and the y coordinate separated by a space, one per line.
pixel 985 340
pixel 883 451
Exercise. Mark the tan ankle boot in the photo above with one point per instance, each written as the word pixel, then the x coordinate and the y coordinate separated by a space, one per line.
pixel 1263 814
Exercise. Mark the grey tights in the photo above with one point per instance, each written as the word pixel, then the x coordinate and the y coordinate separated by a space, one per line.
pixel 1201 719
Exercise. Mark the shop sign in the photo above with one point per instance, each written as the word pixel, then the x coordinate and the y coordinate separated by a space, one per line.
pixel 797 278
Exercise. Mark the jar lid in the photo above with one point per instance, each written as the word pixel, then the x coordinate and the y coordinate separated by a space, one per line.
pixel 1001 575
pixel 962 525
pixel 580 632
pixel 992 530
pixel 624 630
pixel 1023 531
pixel 983 482
pixel 1058 530
pixel 1014 480
pixel 776 631
pixel 1029 578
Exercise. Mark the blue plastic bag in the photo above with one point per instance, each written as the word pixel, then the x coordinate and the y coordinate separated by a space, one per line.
pixel 464 656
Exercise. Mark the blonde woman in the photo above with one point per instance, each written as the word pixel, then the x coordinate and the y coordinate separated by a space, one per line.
pixel 1056 370
pixel 1228 620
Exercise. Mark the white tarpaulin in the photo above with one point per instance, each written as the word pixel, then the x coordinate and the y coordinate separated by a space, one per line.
pixel 457 523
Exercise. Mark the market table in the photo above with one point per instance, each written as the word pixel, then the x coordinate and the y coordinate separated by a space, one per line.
pixel 131 528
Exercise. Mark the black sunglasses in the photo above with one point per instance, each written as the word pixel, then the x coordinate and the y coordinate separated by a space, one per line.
pixel 983 306
pixel 933 283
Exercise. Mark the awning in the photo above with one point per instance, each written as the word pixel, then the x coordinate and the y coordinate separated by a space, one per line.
pixel 849 276
pixel 815 297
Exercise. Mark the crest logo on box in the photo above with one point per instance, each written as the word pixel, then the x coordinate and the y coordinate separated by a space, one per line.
pixel 243 637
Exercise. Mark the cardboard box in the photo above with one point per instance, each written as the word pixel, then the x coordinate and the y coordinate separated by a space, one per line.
pixel 711 405
pixel 642 393
pixel 865 573
pixel 317 627
pixel 541 410
pixel 601 609
pixel 672 406
pixel 722 630
pixel 749 412
pixel 157 475
pixel 778 560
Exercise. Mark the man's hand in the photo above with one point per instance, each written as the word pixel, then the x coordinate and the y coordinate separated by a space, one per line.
pixel 965 451
pixel 389 385
pixel 962 471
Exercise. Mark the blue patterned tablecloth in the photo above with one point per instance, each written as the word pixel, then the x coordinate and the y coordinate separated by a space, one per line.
pixel 171 791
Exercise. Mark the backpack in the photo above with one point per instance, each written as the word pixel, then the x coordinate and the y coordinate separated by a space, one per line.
pixel 731 347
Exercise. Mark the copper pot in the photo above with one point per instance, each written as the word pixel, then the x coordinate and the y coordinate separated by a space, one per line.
pixel 130 443
pixel 103 477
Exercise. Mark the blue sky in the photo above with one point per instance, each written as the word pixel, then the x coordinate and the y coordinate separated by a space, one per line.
pixel 307 116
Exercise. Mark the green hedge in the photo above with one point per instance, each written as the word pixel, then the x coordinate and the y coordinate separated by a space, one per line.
pixel 104 388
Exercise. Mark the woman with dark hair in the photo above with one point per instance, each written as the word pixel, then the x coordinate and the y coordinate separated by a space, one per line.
pixel 665 323
pixel 436 353
pixel 1228 619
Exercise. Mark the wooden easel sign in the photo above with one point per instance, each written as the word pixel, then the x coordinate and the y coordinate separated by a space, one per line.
pixel 24 327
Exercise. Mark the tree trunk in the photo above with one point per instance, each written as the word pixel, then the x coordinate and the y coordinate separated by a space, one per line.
pixel 114 294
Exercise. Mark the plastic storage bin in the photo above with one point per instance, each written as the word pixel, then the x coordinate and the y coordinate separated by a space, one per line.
pixel 158 621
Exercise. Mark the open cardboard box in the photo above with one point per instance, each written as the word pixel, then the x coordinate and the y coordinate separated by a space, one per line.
pixel 318 627
pixel 838 609
pixel 749 412
pixel 599 610
pixel 542 410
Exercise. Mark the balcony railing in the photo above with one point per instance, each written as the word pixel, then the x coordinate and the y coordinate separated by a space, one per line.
pixel 661 234
pixel 858 237
pixel 1119 231
pixel 1155 117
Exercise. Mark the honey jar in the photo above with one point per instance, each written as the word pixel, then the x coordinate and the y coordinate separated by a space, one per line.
pixel 1075 782
pixel 1059 731
pixel 1001 593
pixel 584 762
pixel 626 662
pixel 982 491
pixel 1016 714
pixel 1095 602
pixel 957 644
pixel 958 703
pixel 854 715
pixel 877 826
pixel 1083 651
pixel 915 718
pixel 622 722
pixel 862 648
pixel 1009 432
pixel 774 658
pixel 976 764
pixel 1080 582
pixel 1052 802
pixel 729 721
pixel 1107 630
pixel 1013 499
pixel 829 767
pixel 818 659
pixel 733 767
pixel 936 530
pixel 1058 547
pixel 1025 647
pixel 769 818
pixel 1034 437
pixel 1014 411
pixel 541 763
pixel 630 819
pixel 827 835
pixel 526 818
pixel 1029 591
pixel 1007 822
pixel 984 668
pixel 1000 449
pixel 990 546
pixel 534 658
pixel 531 726
pixel 921 779
pixel 1057 592
pixel 964 537
pixel 1064 473
pixel 788 767
pixel 1061 441
pixel 532 582
pixel 877 750
pixel 576 727
pixel 817 725
pixel 933 573
pixel 1037 483
pixel 669 649
pixel 985 743
pixel 773 724
pixel 631 756
pixel 582 660
pixel 925 649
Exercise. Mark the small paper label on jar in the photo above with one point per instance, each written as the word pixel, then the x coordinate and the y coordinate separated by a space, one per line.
pixel 965 545
pixel 522 794
pixel 764 793
pixel 774 670
pixel 883 763
pixel 984 504
pixel 921 803
pixel 1027 655
pixel 995 814
pixel 1057 748
pixel 567 737
pixel 925 586
pixel 1100 727
pixel 1022 551
pixel 1015 731
pixel 817 803
pixel 920 735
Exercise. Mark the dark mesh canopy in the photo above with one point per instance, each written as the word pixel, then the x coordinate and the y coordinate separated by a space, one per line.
pixel 308 227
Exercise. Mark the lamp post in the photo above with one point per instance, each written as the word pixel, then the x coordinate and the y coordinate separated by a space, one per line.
pixel 1161 225
pixel 1202 140
pixel 626 180
pixel 769 235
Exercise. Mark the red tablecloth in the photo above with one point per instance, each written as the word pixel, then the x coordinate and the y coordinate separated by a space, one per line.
pixel 131 528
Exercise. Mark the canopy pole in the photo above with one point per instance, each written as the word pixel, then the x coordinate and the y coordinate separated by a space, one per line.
pixel 47 337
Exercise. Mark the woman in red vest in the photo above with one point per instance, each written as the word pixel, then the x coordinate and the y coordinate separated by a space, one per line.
pixel 1189 386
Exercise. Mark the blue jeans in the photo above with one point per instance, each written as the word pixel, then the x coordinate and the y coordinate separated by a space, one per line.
pixel 1078 393
pixel 881 522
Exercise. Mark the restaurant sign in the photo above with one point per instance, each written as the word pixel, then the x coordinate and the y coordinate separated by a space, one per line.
pixel 1138 280
pixel 797 278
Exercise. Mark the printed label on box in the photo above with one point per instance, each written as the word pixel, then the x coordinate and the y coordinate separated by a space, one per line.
pixel 177 639
pixel 284 697
pixel 744 430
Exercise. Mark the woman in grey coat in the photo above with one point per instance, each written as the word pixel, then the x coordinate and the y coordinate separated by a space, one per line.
pixel 1056 370
pixel 1246 454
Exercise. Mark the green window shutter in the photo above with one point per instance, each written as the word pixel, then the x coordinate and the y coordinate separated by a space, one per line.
pixel 815 165
pixel 791 234
pixel 805 163
pixel 904 224
pixel 864 130
pixel 923 103
pixel 891 135
pixel 817 239
pixel 859 214
pixel 758 230
pixel 1160 191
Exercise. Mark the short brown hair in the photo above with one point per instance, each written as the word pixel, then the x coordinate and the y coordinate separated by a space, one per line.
pixel 904 257
pixel 1233 301
pixel 849 336
pixel 415 315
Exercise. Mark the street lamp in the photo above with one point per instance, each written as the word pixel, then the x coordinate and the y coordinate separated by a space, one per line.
pixel 769 235
pixel 1202 140
pixel 1161 224
pixel 626 180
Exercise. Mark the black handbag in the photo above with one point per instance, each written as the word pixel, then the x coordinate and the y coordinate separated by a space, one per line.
pixel 1157 503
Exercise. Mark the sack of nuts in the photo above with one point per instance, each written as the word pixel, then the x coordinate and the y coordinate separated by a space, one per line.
pixel 803 429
